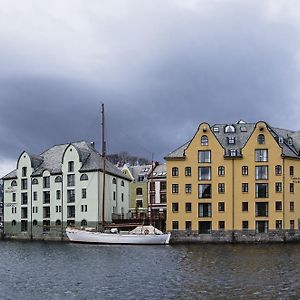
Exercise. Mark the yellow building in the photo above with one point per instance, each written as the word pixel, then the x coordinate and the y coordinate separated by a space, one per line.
pixel 237 182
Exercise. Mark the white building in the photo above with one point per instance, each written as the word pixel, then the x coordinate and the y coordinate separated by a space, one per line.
pixel 61 186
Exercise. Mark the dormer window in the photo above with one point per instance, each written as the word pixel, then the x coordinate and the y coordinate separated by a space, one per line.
pixel 232 152
pixel 261 139
pixel 24 172
pixel 216 129
pixel 280 140
pixel 229 129
pixel 71 166
pixel 290 141
pixel 231 140
pixel 204 140
pixel 243 129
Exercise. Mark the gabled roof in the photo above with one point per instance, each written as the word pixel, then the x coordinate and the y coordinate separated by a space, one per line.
pixel 51 160
pixel 241 134
pixel 137 171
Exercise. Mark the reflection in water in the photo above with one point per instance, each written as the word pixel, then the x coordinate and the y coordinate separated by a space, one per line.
pixel 76 271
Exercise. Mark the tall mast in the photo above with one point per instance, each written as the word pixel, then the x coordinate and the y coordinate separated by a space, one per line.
pixel 104 165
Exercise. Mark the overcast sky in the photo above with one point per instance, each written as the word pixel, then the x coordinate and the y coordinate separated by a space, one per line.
pixel 160 67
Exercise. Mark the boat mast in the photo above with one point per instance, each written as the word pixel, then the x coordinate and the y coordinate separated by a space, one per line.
pixel 104 165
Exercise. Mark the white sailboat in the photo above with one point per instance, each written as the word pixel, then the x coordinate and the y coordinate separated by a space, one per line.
pixel 141 235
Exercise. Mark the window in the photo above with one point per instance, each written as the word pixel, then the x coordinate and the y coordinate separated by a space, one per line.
pixel 122 182
pixel 204 227
pixel 261 209
pixel 14 197
pixel 83 208
pixel 46 212
pixel 229 129
pixel 245 225
pixel 221 188
pixel 57 194
pixel 34 196
pixel 204 156
pixel 139 203
pixel 175 207
pixel 71 166
pixel 23 184
pixel 13 223
pixel 84 177
pixel 71 180
pixel 175 188
pixel 292 224
pixel 58 222
pixel 24 198
pixel 188 207
pixel 163 185
pixel 46 182
pixel 221 171
pixel 163 198
pixel 175 225
pixel 35 181
pixel 83 193
pixel 46 197
pixel 175 171
pixel 204 191
pixel 58 208
pixel 292 206
pixel 114 181
pixel 204 173
pixel 58 179
pixel 278 170
pixel 291 171
pixel 278 206
pixel 278 187
pixel 262 226
pixel 71 196
pixel 140 178
pixel 261 190
pixel 278 224
pixel 188 225
pixel 13 210
pixel 24 224
pixel 221 206
pixel 244 206
pixel 291 188
pixel 46 225
pixel 232 152
pixel 139 191
pixel 152 186
pixel 24 172
pixel 216 129
pixel 231 140
pixel 245 187
pixel 244 170
pixel 14 183
pixel 204 140
pixel 122 197
pixel 188 171
pixel 221 225
pixel 83 223
pixel 261 172
pixel 261 155
pixel 70 211
pixel 188 188
pixel 35 222
pixel 261 139
pixel 114 195
pixel 204 210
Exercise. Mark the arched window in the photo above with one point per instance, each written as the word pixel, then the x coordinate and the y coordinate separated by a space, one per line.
pixel 188 171
pixel 57 222
pixel 229 129
pixel 34 222
pixel 58 179
pixel 139 191
pixel 71 223
pixel 14 183
pixel 261 139
pixel 221 170
pixel 204 140
pixel 84 177
pixel 35 181
pixel 83 223
pixel 114 181
pixel 175 171
pixel 13 223
pixel 122 183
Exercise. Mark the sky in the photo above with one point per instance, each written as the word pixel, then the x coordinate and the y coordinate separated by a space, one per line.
pixel 160 67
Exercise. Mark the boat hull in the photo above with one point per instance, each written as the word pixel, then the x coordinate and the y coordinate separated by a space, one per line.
pixel 82 236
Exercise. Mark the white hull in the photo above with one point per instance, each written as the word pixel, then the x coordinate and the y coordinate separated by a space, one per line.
pixel 82 236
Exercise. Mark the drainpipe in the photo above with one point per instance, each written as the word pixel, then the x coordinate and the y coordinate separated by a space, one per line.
pixel 62 207
pixel 283 199
pixel 30 207
pixel 233 225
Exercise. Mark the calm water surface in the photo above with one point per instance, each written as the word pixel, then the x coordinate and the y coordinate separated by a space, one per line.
pixel 36 270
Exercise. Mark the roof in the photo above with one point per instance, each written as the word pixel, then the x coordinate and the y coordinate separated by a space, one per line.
pixel 137 171
pixel 160 171
pixel 51 160
pixel 241 134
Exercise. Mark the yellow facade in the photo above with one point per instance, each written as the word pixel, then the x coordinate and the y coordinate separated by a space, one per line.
pixel 263 213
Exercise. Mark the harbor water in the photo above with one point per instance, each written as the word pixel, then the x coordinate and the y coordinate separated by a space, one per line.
pixel 49 270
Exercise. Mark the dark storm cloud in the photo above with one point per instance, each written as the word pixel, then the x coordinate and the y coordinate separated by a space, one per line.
pixel 160 67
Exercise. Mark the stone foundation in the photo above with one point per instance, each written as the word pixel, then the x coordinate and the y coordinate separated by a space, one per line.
pixel 238 236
